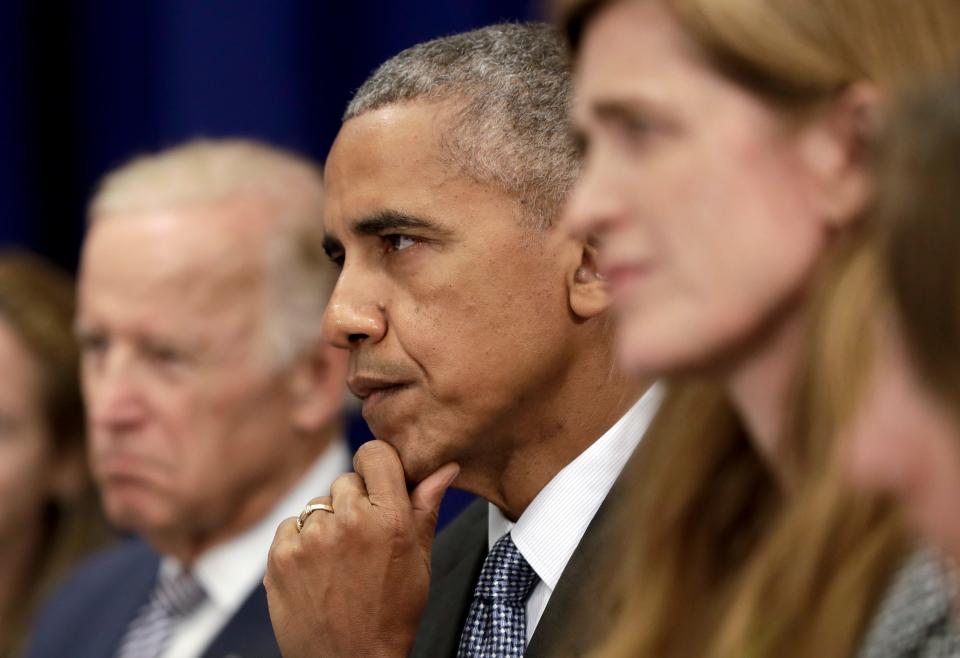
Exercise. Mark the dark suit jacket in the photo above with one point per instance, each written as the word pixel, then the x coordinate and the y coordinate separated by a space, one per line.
pixel 89 615
pixel 458 555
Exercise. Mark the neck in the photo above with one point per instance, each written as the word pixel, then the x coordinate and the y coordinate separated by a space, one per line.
pixel 760 383
pixel 545 439
pixel 259 501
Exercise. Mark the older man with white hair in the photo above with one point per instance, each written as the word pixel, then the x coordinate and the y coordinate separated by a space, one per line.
pixel 212 404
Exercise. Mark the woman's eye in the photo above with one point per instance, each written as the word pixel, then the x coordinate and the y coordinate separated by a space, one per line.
pixel 399 242
pixel 635 129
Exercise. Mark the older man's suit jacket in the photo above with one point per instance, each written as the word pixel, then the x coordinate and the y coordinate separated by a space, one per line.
pixel 89 615
pixel 458 555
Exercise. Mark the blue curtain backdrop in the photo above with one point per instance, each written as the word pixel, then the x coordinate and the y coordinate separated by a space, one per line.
pixel 86 84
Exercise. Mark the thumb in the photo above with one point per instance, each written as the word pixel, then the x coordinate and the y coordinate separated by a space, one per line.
pixel 426 498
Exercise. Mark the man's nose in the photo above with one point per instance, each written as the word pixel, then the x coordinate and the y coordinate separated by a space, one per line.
pixel 353 317
pixel 113 396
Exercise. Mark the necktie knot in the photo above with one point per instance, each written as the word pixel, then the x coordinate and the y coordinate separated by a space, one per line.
pixel 496 623
pixel 174 597
pixel 178 595
pixel 506 575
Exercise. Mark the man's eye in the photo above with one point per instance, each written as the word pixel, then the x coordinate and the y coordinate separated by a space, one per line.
pixel 399 242
pixel 164 354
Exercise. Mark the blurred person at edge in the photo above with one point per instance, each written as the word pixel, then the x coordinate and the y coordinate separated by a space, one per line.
pixel 905 439
pixel 50 515
pixel 213 406
pixel 726 167
pixel 479 338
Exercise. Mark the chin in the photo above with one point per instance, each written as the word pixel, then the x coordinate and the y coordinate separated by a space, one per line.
pixel 416 466
pixel 417 461
pixel 133 510
pixel 643 354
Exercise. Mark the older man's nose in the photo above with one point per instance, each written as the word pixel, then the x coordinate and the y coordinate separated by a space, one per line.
pixel 114 401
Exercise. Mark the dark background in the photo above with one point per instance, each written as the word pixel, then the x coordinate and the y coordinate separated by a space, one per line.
pixel 86 84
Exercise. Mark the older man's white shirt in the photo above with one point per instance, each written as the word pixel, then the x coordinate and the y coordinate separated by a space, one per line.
pixel 230 572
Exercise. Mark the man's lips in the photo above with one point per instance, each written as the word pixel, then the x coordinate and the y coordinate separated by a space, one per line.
pixel 373 388
pixel 118 464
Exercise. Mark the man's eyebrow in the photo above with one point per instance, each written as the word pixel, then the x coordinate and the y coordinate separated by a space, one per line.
pixel 393 220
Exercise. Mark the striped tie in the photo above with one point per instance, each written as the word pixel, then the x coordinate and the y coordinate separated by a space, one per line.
pixel 496 624
pixel 174 597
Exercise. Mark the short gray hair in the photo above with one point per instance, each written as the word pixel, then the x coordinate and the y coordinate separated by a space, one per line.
pixel 513 89
pixel 299 278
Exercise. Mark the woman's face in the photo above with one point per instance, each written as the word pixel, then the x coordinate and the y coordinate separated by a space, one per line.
pixel 905 441
pixel 24 445
pixel 705 201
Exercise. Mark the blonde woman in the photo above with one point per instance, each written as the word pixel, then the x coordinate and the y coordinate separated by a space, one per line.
pixel 726 149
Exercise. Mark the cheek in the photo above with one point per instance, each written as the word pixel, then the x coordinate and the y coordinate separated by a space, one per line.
pixel 23 463
pixel 726 255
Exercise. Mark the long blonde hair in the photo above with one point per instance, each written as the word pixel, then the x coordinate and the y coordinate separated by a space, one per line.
pixel 726 561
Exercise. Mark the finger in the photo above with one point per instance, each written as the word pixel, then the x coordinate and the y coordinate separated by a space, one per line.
pixel 426 499
pixel 319 500
pixel 379 466
pixel 346 492
pixel 285 541
pixel 286 531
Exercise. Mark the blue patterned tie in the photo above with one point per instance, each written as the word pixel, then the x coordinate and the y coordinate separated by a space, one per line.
pixel 173 598
pixel 496 624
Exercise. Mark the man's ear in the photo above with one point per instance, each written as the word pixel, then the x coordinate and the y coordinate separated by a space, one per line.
pixel 318 386
pixel 588 290
pixel 836 149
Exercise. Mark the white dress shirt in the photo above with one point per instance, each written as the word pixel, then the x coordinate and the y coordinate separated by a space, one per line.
pixel 550 529
pixel 230 572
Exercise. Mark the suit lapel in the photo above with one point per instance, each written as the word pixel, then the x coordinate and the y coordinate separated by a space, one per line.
pixel 581 586
pixel 458 557
pixel 248 633
pixel 117 611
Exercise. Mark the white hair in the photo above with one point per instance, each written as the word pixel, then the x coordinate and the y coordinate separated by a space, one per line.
pixel 299 279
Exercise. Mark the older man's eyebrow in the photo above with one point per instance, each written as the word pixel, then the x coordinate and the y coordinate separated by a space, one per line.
pixel 393 220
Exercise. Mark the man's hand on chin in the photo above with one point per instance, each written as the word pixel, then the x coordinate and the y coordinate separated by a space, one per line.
pixel 354 583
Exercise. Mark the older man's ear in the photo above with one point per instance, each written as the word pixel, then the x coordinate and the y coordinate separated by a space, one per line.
pixel 318 384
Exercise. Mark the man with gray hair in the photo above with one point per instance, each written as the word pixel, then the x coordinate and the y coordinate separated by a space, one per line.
pixel 480 345
pixel 213 406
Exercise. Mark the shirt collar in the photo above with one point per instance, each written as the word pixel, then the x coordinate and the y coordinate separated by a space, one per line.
pixel 550 529
pixel 229 571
